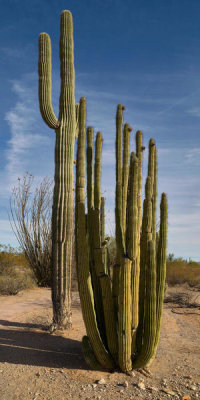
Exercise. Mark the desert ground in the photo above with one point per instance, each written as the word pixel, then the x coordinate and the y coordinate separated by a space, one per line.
pixel 35 364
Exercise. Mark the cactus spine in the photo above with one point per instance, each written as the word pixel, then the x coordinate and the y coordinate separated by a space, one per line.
pixel 65 127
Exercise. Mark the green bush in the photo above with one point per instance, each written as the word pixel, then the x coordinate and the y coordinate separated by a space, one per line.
pixel 15 273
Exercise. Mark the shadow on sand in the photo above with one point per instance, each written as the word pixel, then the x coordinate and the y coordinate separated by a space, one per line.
pixel 30 347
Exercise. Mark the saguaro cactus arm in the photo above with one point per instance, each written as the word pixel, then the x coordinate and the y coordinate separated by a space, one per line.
pixel 67 72
pixel 44 71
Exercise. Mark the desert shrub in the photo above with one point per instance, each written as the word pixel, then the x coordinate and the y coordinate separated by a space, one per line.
pixel 15 273
pixel 180 272
pixel 30 215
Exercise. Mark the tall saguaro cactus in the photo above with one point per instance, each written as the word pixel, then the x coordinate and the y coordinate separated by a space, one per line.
pixel 122 315
pixel 65 128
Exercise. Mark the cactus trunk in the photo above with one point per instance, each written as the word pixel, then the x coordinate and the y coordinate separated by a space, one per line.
pixel 65 127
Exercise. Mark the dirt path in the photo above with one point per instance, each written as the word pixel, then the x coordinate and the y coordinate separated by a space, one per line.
pixel 37 365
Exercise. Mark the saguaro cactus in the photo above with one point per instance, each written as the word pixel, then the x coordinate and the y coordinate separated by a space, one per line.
pixel 65 128
pixel 122 316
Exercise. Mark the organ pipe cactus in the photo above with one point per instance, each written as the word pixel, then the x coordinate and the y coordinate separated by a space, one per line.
pixel 122 315
pixel 65 127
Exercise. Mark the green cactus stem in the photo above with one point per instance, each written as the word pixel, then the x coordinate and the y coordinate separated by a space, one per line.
pixel 77 120
pixel 118 204
pixel 161 269
pixel 122 317
pixel 102 219
pixel 89 355
pixel 149 331
pixel 124 325
pixel 146 235
pixel 154 198
pixel 65 126
pixel 90 194
pixel 132 241
pixel 82 259
pixel 125 173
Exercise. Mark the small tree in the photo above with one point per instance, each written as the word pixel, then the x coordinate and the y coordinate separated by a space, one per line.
pixel 30 217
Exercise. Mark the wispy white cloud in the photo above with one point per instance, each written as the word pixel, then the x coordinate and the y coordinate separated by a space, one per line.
pixel 26 138
pixel 193 156
pixel 195 111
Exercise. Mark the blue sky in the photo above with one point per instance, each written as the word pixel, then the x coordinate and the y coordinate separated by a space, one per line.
pixel 143 54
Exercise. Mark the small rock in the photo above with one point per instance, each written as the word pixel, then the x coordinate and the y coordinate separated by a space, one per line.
pixel 152 388
pixel 187 377
pixel 94 385
pixel 186 397
pixel 141 385
pixel 192 387
pixel 37 374
pixel 125 384
pixel 101 381
pixel 168 391
pixel 164 382
pixel 130 373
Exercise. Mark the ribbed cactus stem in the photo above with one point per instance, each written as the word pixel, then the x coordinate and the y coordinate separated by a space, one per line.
pixel 146 351
pixel 132 241
pixel 97 171
pixel 125 173
pixel 132 217
pixel 154 198
pixel 82 260
pixel 118 204
pixel 139 155
pixel 146 236
pixel 118 194
pixel 94 228
pixel 151 163
pixel 45 84
pixel 77 120
pixel 136 269
pixel 161 268
pixel 89 355
pixel 102 219
pixel 124 324
pixel 65 126
pixel 67 72
pixel 80 161
pixel 90 192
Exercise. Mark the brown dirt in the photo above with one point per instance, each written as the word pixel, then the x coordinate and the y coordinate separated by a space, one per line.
pixel 35 365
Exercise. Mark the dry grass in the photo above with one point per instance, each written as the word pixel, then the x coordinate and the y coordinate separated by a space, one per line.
pixel 15 273
pixel 180 272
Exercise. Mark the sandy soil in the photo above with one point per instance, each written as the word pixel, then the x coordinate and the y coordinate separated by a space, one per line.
pixel 37 365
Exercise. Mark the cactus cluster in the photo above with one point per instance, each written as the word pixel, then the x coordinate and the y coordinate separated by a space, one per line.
pixel 121 308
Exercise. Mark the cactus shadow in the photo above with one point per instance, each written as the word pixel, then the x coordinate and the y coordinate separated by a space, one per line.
pixel 38 348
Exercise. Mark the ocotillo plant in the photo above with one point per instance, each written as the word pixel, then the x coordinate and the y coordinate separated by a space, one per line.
pixel 65 128
pixel 122 316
